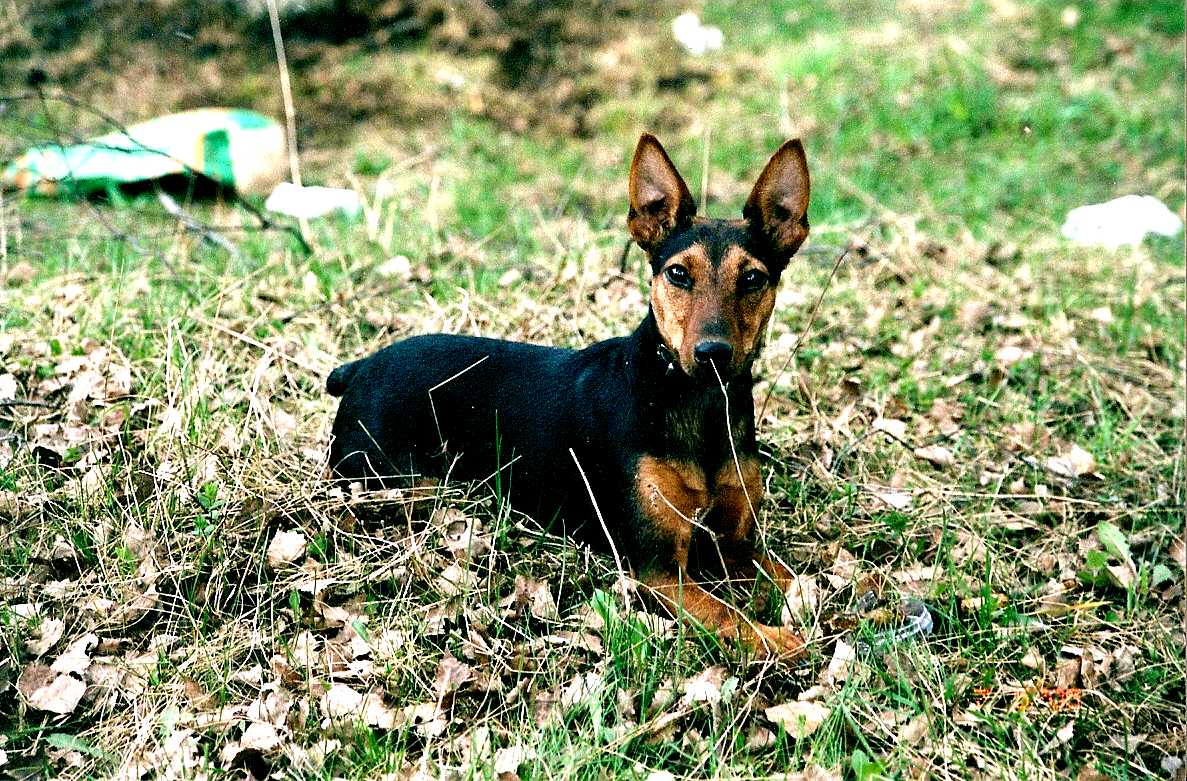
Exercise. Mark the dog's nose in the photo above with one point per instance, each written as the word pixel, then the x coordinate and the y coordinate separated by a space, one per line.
pixel 717 352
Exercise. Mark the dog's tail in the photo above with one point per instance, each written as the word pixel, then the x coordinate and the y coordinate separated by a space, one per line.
pixel 340 378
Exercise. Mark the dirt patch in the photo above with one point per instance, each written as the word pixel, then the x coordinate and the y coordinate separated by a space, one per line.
pixel 350 61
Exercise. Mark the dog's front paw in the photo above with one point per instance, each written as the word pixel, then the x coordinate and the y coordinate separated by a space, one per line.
pixel 774 642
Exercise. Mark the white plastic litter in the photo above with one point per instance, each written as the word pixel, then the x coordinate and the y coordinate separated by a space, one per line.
pixel 311 202
pixel 697 38
pixel 1121 221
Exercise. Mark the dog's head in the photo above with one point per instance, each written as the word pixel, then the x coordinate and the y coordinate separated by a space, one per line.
pixel 713 281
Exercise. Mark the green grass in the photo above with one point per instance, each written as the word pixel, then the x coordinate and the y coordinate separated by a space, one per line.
pixel 948 140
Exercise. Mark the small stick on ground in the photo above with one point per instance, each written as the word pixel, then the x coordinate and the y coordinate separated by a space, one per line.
pixel 290 111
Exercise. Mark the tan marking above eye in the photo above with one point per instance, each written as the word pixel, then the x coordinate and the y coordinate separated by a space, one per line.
pixel 694 259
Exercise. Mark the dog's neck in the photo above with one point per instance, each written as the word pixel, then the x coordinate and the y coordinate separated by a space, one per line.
pixel 689 414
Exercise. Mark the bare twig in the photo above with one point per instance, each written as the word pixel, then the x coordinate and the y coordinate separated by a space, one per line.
pixel 290 111
pixel 286 93
pixel 626 253
pixel 26 403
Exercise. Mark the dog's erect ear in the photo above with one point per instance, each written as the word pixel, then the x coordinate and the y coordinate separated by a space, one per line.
pixel 778 205
pixel 659 198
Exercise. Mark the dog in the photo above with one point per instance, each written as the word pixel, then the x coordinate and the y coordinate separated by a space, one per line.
pixel 652 433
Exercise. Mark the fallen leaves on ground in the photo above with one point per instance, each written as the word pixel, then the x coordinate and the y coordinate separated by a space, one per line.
pixel 285 548
pixel 798 719
pixel 1073 462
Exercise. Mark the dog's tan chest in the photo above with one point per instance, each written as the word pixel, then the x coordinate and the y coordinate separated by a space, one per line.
pixel 676 497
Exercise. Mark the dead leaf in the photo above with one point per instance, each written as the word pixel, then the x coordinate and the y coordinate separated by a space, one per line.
pixel 463 536
pixel 705 686
pixel 813 693
pixel 376 713
pixel 896 500
pixel 943 416
pixel 314 757
pixel 911 576
pixel 343 704
pixel 583 689
pixel 1178 552
pixel 76 658
pixel 398 266
pixel 44 636
pixel 1122 663
pixel 800 600
pixel 1123 575
pixel 455 580
pixel 798 719
pixel 283 423
pixel 340 702
pixel 1010 354
pixel 47 691
pixel 936 454
pixel 892 426
pixel 451 674
pixel 1067 673
pixel 584 640
pixel 536 596
pixel 261 736
pixel 425 717
pixel 1014 321
pixel 1088 674
pixel 474 747
pixel 386 643
pixel 838 667
pixel 285 548
pixel 994 601
pixel 508 759
pixel 760 737
pixel 814 773
pixel 915 730
pixel 1032 659
pixel 1073 462
pixel 843 569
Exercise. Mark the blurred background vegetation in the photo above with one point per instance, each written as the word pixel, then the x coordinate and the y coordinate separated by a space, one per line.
pixel 992 116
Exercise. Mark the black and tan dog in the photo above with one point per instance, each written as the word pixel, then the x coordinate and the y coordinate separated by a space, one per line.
pixel 661 422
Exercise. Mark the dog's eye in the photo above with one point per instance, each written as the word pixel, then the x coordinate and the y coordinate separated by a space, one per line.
pixel 753 280
pixel 678 276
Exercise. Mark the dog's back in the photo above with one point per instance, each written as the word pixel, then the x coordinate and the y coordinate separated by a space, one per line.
pixel 472 407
